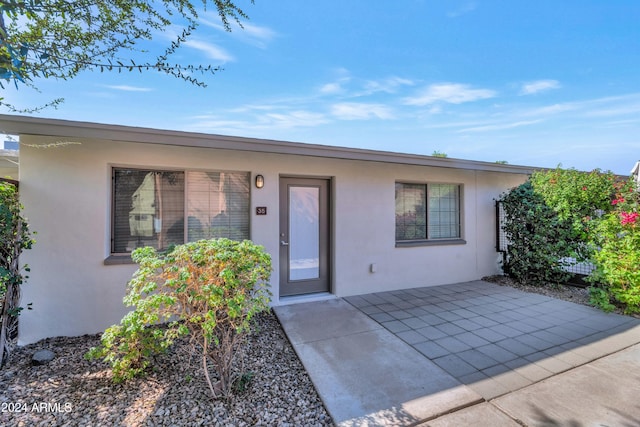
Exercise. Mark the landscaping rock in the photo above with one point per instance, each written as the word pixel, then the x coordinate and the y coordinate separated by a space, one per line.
pixel 42 357
pixel 71 391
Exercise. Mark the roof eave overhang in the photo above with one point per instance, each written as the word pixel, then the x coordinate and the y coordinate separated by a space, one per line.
pixel 22 125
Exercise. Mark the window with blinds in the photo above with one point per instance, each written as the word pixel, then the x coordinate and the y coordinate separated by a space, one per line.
pixel 427 211
pixel 150 207
pixel 217 205
pixel 444 211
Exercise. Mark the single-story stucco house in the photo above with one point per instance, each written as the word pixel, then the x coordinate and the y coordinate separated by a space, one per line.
pixel 336 221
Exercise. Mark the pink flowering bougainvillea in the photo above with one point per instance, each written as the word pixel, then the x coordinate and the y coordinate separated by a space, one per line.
pixel 628 217
pixel 617 258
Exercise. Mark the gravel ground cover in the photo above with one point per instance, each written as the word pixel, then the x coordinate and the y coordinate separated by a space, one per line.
pixel 70 391
pixel 563 292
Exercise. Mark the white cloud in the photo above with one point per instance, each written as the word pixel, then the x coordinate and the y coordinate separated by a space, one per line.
pixel 257 35
pixel 127 88
pixel 539 86
pixel 350 87
pixel 499 126
pixel 615 110
pixel 331 88
pixel 293 119
pixel 620 105
pixel 253 34
pixel 462 10
pixel 436 109
pixel 623 122
pixel 210 50
pixel 253 107
pixel 257 122
pixel 361 111
pixel 452 93
pixel 216 125
pixel 552 109
pixel 336 86
pixel 389 85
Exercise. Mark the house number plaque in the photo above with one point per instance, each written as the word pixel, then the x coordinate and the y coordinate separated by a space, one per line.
pixel 261 210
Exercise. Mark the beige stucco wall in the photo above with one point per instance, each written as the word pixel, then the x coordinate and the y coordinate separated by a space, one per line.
pixel 66 192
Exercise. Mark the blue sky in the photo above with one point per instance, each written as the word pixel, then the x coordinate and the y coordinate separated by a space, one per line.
pixel 537 83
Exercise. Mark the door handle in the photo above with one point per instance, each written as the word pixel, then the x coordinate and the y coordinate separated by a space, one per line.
pixel 283 243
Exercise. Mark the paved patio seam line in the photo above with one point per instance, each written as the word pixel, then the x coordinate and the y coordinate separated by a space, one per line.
pixel 452 410
pixel 507 414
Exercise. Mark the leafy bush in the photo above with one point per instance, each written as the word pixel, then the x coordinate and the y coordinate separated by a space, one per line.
pixel 617 255
pixel 212 288
pixel 573 194
pixel 579 198
pixel 588 216
pixel 15 238
pixel 537 238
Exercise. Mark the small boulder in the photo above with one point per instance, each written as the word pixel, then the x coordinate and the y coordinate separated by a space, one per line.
pixel 42 357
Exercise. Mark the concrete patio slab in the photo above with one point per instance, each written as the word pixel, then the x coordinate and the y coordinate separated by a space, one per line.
pixel 364 374
pixel 602 393
pixel 467 354
pixel 318 321
pixel 497 339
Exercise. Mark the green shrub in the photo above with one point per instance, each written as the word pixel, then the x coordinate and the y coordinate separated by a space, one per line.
pixel 15 238
pixel 587 216
pixel 617 255
pixel 579 198
pixel 573 194
pixel 212 288
pixel 599 297
pixel 537 240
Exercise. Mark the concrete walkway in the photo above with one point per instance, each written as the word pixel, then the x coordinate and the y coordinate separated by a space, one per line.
pixel 472 351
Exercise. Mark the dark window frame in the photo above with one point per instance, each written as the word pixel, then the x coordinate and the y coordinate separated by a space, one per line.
pixel 425 239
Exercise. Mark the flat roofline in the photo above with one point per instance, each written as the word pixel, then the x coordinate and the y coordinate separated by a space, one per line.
pixel 24 125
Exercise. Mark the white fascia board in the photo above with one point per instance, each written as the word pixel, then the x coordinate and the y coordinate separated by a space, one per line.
pixel 23 125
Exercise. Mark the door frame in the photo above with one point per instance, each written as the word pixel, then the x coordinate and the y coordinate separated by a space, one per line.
pixel 325 236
